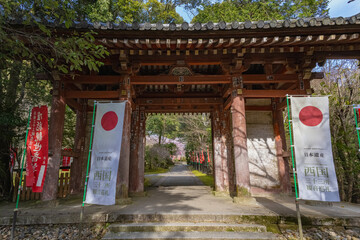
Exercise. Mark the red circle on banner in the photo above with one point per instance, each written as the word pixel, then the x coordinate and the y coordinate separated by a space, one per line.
pixel 109 121
pixel 311 116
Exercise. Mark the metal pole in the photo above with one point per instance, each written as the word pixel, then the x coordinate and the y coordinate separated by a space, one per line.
pixel 21 177
pixel 87 169
pixel 294 172
pixel 356 123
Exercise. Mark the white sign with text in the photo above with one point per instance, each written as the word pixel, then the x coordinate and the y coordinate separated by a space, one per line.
pixel 105 155
pixel 313 152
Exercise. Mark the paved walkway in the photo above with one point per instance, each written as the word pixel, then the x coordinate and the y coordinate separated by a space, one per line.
pixel 176 192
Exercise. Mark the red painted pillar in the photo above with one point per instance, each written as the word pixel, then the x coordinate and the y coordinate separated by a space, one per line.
pixel 79 148
pixel 241 159
pixel 142 144
pixel 280 144
pixel 136 184
pixel 230 158
pixel 57 116
pixel 220 152
pixel 122 184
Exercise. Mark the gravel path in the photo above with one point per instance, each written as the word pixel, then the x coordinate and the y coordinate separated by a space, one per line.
pixel 52 232
pixel 66 231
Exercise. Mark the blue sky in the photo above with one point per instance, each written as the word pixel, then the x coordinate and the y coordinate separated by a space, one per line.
pixel 344 9
pixel 337 8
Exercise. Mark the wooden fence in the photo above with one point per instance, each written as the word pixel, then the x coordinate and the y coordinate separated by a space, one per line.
pixel 27 194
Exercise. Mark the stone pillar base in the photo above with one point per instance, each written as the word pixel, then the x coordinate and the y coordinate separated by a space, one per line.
pixel 138 194
pixel 123 201
pixel 225 194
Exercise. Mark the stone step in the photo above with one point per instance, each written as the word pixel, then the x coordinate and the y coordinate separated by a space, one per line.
pixel 185 227
pixel 190 235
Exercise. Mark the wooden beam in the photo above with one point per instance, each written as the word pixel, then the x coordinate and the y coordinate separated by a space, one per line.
pixel 66 153
pixel 270 93
pixel 73 103
pixel 175 94
pixel 178 109
pixel 93 94
pixel 258 108
pixel 165 79
pixel 217 79
pixel 274 78
pixel 178 101
pixel 95 79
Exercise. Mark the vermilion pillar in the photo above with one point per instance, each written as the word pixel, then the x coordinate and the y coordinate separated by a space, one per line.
pixel 57 116
pixel 122 184
pixel 136 184
pixel 241 159
pixel 280 145
pixel 79 148
pixel 220 152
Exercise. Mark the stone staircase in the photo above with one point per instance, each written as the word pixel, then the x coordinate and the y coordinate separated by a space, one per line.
pixel 187 230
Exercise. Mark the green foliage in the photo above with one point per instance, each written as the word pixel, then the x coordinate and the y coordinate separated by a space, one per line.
pixel 207 180
pixel 171 147
pixel 69 128
pixel 342 84
pixel 196 131
pixel 162 126
pixel 254 10
pixel 42 45
pixel 129 11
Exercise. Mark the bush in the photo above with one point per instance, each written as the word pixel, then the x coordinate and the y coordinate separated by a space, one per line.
pixel 157 156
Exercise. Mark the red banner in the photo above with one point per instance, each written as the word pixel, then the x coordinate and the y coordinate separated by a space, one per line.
pixel 202 157
pixel 66 162
pixel 208 155
pixel 37 149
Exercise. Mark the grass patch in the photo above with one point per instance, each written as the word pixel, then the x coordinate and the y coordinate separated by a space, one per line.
pixel 147 183
pixel 156 171
pixel 206 179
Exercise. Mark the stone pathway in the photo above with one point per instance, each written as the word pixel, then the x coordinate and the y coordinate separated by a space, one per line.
pixel 179 175
pixel 175 195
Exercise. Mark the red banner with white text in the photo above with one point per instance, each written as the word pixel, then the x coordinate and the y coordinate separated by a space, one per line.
pixel 37 149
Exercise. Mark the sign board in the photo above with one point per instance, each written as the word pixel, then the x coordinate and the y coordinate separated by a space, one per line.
pixel 105 155
pixel 313 152
pixel 37 149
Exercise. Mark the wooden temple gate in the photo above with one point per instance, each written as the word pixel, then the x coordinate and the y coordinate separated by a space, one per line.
pixel 240 73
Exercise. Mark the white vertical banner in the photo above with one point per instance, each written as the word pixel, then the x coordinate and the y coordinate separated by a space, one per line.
pixel 313 152
pixel 105 154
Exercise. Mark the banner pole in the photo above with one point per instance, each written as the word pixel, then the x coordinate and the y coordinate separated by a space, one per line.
pixel 356 125
pixel 87 169
pixel 21 177
pixel 294 172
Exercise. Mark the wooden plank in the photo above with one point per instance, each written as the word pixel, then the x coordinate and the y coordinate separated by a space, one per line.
pixel 61 185
pixel 17 179
pixel 67 153
pixel 73 103
pixel 28 192
pixel 95 79
pixel 178 101
pixel 93 94
pixel 270 93
pixel 66 184
pixel 215 79
pixel 165 79
pixel 23 189
pixel 274 78
pixel 178 109
pixel 32 195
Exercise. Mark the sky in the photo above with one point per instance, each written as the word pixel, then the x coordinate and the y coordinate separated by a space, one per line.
pixel 337 8
pixel 342 8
